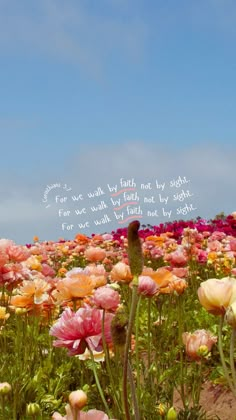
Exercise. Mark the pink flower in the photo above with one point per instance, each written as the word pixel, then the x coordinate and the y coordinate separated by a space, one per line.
pixel 180 271
pixel 17 253
pixel 82 415
pixel 11 274
pixel 214 245
pixel 232 245
pixel 5 244
pixel 147 286
pixel 107 237
pixel 81 329
pixel 95 254
pixel 177 258
pixel 201 341
pixel 47 270
pixel 106 298
pixel 202 256
pixel 4 259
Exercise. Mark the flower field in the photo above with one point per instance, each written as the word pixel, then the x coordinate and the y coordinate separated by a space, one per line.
pixel 119 325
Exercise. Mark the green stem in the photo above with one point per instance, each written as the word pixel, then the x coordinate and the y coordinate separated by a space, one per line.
pixel 98 384
pixel 76 414
pixel 127 345
pixel 222 358
pixel 198 380
pixel 108 365
pixel 232 365
pixel 149 334
pixel 137 351
pixel 133 393
pixel 180 331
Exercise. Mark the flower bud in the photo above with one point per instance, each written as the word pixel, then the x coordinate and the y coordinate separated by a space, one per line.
pixel 5 388
pixel 171 415
pixel 78 399
pixel 32 409
pixel 230 316
pixel 135 253
pixel 161 409
pixel 20 311
pixel 118 327
pixel 203 351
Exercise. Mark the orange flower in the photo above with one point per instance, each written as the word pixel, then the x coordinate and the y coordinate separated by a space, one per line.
pixel 164 279
pixel 158 240
pixel 74 286
pixel 20 301
pixel 32 292
pixel 179 286
pixel 82 239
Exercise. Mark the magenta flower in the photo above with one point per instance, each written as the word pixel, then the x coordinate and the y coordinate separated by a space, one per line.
pixel 82 329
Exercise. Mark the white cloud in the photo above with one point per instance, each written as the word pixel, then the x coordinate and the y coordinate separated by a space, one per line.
pixel 69 31
pixel 210 169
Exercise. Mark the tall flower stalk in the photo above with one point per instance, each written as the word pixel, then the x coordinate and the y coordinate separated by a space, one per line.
pixel 136 267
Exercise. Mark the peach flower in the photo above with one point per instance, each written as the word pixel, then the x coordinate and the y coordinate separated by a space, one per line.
pixel 75 285
pixel 197 343
pixel 95 254
pixel 121 272
pixel 82 415
pixel 215 295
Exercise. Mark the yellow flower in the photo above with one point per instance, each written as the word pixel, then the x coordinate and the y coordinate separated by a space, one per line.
pixel 3 314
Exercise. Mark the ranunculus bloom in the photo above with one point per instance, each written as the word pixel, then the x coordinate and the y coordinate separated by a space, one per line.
pixel 74 286
pixel 4 258
pixel 177 258
pixel 97 273
pixel 121 272
pixel 232 244
pixel 3 314
pixel 147 286
pixel 17 253
pixel 32 292
pixel 13 273
pixel 82 415
pixel 47 270
pixel 78 399
pixel 197 340
pixel 5 388
pixel 163 278
pixel 179 285
pixel 81 329
pixel 215 295
pixel 180 271
pixel 95 254
pixel 106 298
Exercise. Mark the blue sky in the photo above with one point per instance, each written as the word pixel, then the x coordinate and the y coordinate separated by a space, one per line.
pixel 91 91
